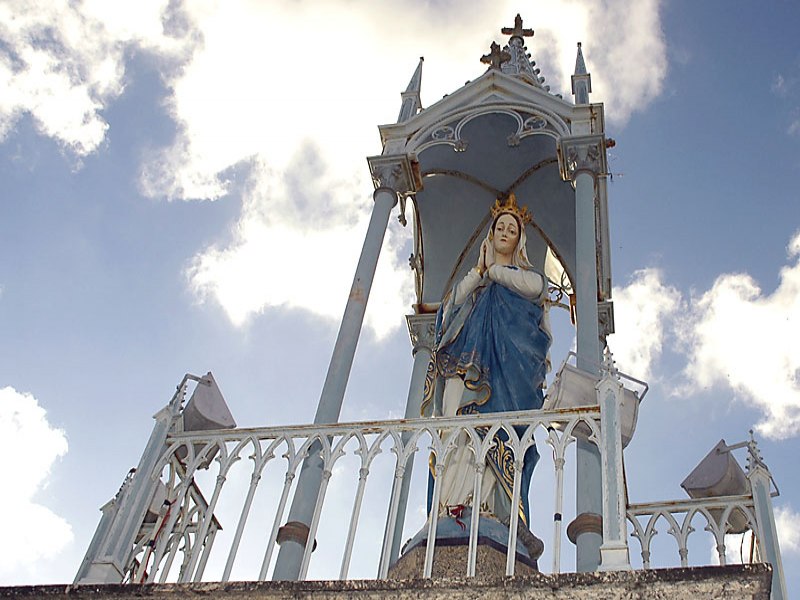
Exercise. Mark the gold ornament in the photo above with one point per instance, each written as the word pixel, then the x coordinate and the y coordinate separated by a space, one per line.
pixel 511 207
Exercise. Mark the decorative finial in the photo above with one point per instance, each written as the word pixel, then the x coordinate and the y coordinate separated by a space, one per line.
pixel 608 362
pixel 520 64
pixel 411 102
pixel 517 30
pixel 754 458
pixel 511 207
pixel 580 63
pixel 496 57
pixel 581 79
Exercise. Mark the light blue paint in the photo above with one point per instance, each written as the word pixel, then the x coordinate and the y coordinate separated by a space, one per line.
pixel 589 471
pixel 309 482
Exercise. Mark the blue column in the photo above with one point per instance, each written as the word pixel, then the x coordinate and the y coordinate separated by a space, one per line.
pixel 309 483
pixel 589 472
pixel 582 158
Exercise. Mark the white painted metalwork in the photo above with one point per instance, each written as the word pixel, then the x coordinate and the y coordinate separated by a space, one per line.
pixel 614 550
pixel 723 515
pixel 178 543
pixel 189 527
pixel 679 515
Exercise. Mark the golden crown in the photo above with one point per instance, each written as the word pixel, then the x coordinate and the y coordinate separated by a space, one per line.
pixel 511 207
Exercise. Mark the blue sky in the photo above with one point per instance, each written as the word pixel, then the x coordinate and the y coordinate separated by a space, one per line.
pixel 184 189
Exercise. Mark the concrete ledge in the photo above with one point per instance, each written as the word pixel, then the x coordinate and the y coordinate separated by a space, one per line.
pixel 737 582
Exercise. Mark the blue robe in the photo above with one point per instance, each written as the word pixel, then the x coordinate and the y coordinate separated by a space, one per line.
pixel 495 342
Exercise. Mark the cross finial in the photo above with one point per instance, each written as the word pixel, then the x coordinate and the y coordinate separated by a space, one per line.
pixel 517 30
pixel 496 57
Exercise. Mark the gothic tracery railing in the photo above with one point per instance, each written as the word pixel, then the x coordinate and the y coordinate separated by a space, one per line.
pixel 197 469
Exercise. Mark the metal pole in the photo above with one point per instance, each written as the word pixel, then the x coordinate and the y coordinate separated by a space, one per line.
pixel 290 556
pixel 420 328
pixel 589 499
pixel 765 519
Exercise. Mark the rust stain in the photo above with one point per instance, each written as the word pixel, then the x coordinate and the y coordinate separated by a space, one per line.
pixel 357 293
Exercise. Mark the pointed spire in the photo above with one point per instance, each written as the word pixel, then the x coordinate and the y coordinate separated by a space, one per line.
pixel 411 103
pixel 581 80
pixel 580 64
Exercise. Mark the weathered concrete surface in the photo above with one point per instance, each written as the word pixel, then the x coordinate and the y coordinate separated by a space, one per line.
pixel 699 583
pixel 451 561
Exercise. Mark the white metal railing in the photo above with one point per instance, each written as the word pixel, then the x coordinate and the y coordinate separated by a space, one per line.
pixel 719 516
pixel 196 481
pixel 190 528
pixel 180 469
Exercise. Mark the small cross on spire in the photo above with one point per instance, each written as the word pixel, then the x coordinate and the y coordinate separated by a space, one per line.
pixel 517 30
pixel 496 57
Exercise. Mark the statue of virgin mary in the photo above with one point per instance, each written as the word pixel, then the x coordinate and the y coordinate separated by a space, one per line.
pixel 490 355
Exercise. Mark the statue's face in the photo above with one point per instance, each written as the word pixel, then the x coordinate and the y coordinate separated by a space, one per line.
pixel 506 234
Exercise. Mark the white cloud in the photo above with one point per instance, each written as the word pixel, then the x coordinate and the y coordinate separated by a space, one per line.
pixel 733 335
pixel 738 546
pixel 286 255
pixel 29 446
pixel 737 549
pixel 261 81
pixel 779 85
pixel 738 336
pixel 640 311
pixel 624 48
pixel 788 524
pixel 61 62
pixel 231 113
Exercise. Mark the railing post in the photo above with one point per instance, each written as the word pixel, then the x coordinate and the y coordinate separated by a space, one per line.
pixel 392 175
pixel 582 159
pixel 760 478
pixel 421 330
pixel 614 554
pixel 107 558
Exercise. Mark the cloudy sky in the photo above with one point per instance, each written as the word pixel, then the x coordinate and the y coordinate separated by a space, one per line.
pixel 184 190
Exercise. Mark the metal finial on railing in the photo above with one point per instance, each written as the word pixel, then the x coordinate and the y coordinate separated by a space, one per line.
pixel 754 458
pixel 609 365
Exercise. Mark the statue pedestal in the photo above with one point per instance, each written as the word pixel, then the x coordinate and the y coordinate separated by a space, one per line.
pixel 452 550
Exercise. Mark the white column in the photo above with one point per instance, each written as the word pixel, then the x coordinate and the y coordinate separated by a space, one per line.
pixel 760 477
pixel 309 482
pixel 421 329
pixel 614 551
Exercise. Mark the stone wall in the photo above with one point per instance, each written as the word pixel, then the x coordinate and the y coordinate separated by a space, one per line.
pixel 739 582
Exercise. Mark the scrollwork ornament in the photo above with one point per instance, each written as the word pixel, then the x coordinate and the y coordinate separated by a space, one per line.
pixel 395 172
pixel 533 123
pixel 387 176
pixel 443 133
pixel 605 317
pixel 583 154
pixel 421 331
